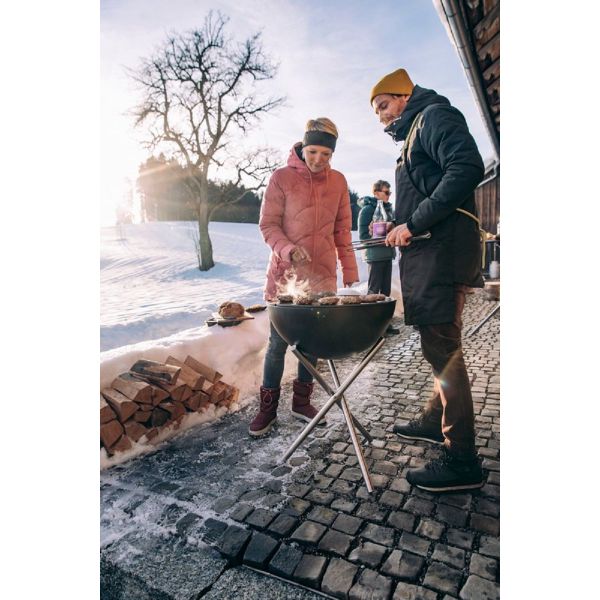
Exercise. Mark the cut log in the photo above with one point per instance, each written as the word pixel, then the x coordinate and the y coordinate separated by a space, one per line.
pixel 175 409
pixel 203 400
pixel 123 444
pixel 226 401
pixel 182 394
pixel 218 392
pixel 106 412
pixel 178 392
pixel 158 395
pixel 134 430
pixel 138 391
pixel 155 372
pixel 235 395
pixel 110 433
pixel 187 374
pixel 142 416
pixel 201 368
pixel 159 417
pixel 177 422
pixel 123 407
pixel 204 404
pixel 193 402
pixel 180 410
pixel 151 433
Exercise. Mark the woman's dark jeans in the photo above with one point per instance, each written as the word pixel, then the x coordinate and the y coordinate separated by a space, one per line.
pixel 275 362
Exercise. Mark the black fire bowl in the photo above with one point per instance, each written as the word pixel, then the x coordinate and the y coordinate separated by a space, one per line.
pixel 332 331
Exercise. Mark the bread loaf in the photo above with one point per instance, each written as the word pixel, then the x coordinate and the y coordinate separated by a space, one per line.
pixel 231 310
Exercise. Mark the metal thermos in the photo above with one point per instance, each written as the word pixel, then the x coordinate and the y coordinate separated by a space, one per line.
pixel 494 270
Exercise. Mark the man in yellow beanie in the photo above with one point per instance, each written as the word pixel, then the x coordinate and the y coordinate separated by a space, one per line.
pixel 436 175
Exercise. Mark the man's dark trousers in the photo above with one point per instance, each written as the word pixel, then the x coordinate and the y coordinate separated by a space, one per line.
pixel 380 277
pixel 442 348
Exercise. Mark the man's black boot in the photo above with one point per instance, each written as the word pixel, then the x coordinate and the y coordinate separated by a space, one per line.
pixel 448 473
pixel 423 428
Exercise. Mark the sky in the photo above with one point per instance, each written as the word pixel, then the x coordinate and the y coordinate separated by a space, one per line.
pixel 330 55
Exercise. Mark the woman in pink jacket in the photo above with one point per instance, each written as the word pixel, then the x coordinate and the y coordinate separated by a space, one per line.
pixel 306 220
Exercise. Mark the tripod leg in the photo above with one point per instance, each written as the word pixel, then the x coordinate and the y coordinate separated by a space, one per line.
pixel 357 446
pixel 353 436
pixel 356 422
pixel 485 320
pixel 312 370
pixel 336 396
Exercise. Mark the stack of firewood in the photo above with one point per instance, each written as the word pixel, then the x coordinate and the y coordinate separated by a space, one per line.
pixel 154 395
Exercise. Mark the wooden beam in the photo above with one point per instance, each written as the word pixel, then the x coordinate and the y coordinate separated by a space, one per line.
pixel 488 27
pixel 491 49
pixel 492 73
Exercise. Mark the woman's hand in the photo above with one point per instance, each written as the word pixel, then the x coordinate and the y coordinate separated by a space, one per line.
pixel 300 256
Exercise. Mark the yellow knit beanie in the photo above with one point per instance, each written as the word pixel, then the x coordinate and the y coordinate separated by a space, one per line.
pixel 397 82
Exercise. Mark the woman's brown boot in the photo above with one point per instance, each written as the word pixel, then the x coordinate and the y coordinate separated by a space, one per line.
pixel 301 406
pixel 267 415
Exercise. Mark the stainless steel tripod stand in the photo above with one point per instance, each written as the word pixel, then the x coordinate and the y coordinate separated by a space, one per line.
pixel 337 397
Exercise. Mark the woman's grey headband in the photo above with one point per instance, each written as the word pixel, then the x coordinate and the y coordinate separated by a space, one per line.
pixel 319 138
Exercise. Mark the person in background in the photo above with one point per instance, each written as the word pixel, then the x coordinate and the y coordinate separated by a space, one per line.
pixel 355 208
pixel 305 218
pixel 379 258
pixel 436 176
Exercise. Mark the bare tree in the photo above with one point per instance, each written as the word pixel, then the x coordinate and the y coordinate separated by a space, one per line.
pixel 198 91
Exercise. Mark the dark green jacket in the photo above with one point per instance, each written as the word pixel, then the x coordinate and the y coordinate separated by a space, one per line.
pixel 369 203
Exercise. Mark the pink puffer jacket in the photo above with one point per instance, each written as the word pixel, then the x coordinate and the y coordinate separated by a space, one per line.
pixel 312 210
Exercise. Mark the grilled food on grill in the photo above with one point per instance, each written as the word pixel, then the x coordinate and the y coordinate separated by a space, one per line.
pixel 374 297
pixel 350 300
pixel 231 310
pixel 256 308
pixel 285 298
pixel 303 300
pixel 329 300
pixel 327 294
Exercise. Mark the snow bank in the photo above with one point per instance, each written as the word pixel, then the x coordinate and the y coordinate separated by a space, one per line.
pixel 153 299
pixel 236 352
pixel 233 351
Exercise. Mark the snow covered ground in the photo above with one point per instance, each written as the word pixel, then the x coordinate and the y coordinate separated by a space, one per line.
pixel 154 302
pixel 151 286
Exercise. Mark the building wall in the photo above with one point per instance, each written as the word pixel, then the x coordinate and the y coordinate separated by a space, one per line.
pixel 487 199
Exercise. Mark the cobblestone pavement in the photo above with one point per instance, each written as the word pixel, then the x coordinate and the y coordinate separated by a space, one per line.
pixel 181 522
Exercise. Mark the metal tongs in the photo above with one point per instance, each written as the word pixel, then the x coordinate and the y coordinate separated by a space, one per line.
pixel 380 241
